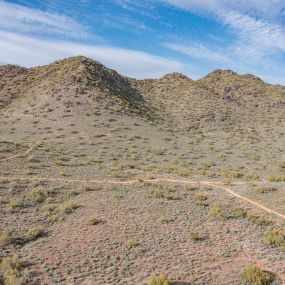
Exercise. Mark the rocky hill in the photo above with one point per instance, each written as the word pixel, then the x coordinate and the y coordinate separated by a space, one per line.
pixel 222 100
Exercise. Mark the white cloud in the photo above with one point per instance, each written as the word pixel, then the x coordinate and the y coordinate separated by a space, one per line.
pixel 23 19
pixel 267 9
pixel 257 27
pixel 30 51
pixel 198 51
pixel 263 36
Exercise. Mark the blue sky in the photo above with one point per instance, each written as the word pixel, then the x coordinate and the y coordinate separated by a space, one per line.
pixel 147 39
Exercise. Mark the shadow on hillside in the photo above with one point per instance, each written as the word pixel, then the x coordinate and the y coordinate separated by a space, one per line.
pixel 181 283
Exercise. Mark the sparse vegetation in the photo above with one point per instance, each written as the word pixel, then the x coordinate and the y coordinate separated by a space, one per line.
pixel 216 212
pixel 154 159
pixel 160 279
pixel 35 233
pixel 253 275
pixel 275 237
pixel 5 238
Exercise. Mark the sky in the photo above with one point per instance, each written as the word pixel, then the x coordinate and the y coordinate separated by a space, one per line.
pixel 149 38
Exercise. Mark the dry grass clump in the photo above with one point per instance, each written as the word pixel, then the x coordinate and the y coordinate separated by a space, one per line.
pixel 258 220
pixel 239 212
pixel 160 279
pixel 265 189
pixel 227 182
pixel 165 220
pixel 39 195
pixel 94 222
pixel 54 212
pixel 13 204
pixel 131 244
pixel 35 233
pixel 5 238
pixel 216 212
pixel 275 237
pixel 201 199
pixel 10 271
pixel 195 236
pixel 253 275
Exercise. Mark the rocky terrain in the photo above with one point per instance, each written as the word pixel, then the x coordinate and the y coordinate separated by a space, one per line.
pixel 106 179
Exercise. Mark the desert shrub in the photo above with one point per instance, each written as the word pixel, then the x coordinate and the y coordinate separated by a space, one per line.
pixel 253 275
pixel 157 193
pixel 39 195
pixel 258 220
pixel 239 212
pixel 94 221
pixel 227 182
pixel 195 236
pixel 10 270
pixel 274 237
pixel 131 244
pixel 67 207
pixel 34 233
pixel 201 199
pixel 265 189
pixel 164 220
pixel 54 212
pixel 12 205
pixel 276 178
pixel 216 212
pixel 160 279
pixel 5 238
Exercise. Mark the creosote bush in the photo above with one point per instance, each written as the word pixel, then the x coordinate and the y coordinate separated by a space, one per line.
pixel 160 279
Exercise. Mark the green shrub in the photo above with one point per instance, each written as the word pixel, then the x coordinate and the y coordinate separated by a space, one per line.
pixel 160 279
pixel 253 275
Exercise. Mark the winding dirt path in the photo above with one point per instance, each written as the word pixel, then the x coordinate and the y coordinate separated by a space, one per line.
pixel 17 155
pixel 157 181
pixel 49 141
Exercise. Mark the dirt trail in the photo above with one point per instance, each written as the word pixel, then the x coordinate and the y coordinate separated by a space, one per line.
pixel 156 180
pixel 17 155
pixel 49 141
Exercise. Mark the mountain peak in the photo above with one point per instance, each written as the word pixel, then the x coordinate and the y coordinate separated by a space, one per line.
pixel 11 70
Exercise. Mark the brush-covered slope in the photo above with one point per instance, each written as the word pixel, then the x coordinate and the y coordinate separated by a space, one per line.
pixel 76 86
pixel 79 89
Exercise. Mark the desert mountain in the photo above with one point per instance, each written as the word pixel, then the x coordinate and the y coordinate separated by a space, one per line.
pixel 106 179
pixel 222 100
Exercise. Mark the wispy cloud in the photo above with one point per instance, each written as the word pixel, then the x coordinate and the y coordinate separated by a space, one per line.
pixel 255 23
pixel 265 37
pixel 198 51
pixel 30 51
pixel 23 19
